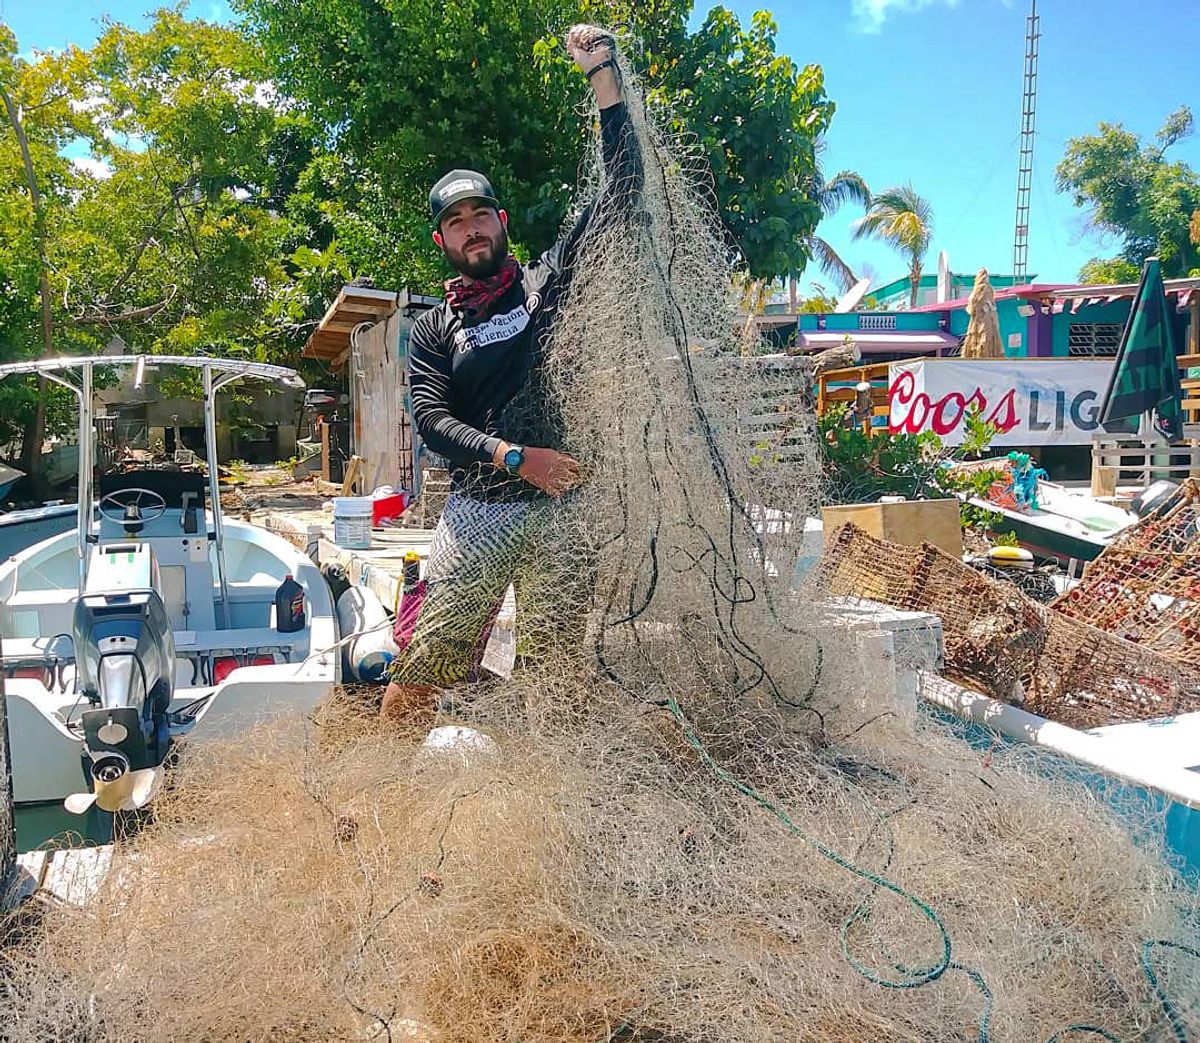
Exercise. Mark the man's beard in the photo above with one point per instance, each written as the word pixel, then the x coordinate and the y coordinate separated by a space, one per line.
pixel 478 265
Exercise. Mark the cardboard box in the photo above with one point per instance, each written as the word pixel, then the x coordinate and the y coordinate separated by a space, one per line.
pixel 908 523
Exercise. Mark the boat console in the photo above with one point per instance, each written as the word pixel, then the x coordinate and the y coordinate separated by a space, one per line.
pixel 152 622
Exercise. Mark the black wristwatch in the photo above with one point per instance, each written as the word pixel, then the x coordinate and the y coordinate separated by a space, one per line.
pixel 514 458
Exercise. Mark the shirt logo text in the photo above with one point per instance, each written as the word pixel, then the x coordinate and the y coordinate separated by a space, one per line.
pixel 497 328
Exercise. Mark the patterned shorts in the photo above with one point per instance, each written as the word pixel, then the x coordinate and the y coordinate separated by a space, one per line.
pixel 478 549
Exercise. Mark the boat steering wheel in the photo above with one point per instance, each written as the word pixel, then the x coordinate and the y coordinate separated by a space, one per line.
pixel 125 499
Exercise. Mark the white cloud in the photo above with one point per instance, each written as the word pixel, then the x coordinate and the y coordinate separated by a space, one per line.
pixel 868 16
pixel 97 168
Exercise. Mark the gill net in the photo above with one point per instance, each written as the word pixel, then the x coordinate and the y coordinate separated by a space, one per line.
pixel 700 822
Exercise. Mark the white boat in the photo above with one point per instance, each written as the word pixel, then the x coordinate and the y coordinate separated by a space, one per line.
pixel 1068 524
pixel 1162 754
pixel 152 621
pixel 1157 760
pixel 21 529
pixel 9 476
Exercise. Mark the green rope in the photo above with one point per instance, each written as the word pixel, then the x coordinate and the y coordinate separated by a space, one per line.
pixel 1173 1016
pixel 985 1019
pixel 918 976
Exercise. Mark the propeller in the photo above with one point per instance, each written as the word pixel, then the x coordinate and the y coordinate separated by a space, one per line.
pixel 130 791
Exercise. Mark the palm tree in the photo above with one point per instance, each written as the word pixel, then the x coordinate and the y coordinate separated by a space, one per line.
pixel 844 187
pixel 903 220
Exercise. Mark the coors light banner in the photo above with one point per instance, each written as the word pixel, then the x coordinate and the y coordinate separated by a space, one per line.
pixel 1031 401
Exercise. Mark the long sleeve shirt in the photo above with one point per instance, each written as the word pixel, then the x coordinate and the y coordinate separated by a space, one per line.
pixel 477 381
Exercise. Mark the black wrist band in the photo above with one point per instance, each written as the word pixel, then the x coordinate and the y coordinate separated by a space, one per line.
pixel 606 64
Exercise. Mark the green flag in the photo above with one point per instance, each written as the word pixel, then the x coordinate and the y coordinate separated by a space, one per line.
pixel 1146 375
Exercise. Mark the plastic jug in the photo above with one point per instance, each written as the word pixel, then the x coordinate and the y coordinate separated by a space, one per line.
pixel 289 606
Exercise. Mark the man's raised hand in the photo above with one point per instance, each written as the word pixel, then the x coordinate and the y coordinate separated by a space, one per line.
pixel 590 46
pixel 594 51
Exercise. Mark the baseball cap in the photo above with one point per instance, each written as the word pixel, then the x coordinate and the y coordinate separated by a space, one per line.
pixel 456 186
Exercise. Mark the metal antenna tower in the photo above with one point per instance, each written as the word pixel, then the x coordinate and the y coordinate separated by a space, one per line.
pixel 1028 120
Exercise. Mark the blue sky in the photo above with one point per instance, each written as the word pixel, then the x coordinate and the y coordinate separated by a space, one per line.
pixel 928 92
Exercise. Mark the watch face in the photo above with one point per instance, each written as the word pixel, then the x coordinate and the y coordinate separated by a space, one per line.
pixel 513 459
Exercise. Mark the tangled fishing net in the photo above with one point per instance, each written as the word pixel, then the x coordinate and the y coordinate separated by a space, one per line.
pixel 701 824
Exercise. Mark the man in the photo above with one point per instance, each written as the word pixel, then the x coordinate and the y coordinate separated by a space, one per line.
pixel 479 398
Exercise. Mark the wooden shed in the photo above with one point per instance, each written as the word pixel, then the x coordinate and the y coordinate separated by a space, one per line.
pixel 363 336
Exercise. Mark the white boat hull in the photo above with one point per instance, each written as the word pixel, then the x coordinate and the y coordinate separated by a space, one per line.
pixel 1161 755
pixel 46 752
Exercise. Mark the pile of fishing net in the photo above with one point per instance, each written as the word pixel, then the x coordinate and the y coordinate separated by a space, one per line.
pixel 702 822
pixel 605 874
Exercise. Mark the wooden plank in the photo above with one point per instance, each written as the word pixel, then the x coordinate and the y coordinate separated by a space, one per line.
pixel 841 395
pixel 356 463
pixel 360 311
pixel 1104 480
pixel 1188 360
pixel 349 325
pixel 74 875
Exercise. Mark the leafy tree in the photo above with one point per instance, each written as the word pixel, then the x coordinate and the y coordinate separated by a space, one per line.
pixel 188 241
pixel 1135 192
pixel 904 220
pixel 821 304
pixel 176 233
pixel 36 121
pixel 844 187
pixel 408 88
pixel 1109 271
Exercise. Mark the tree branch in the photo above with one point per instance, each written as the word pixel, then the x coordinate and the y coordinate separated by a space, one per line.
pixel 39 217
pixel 103 317
pixel 31 449
pixel 188 225
pixel 155 225
pixel 50 100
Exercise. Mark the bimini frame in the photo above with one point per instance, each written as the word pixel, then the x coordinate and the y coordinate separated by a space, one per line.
pixel 216 374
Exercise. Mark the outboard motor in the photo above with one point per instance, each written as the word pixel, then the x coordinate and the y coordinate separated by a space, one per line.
pixel 125 667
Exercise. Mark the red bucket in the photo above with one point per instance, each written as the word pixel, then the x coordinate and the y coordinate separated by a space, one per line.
pixel 388 508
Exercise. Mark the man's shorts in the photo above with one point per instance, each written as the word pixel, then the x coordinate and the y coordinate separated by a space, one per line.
pixel 479 548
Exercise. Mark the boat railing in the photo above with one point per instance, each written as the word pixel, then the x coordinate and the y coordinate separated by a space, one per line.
pixel 76 373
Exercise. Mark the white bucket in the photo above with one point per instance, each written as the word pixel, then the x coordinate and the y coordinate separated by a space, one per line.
pixel 352 521
pixel 368 656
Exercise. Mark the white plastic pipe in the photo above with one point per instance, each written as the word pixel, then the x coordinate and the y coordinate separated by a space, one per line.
pixel 1180 784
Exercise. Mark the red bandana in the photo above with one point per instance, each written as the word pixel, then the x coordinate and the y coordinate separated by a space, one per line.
pixel 478 297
